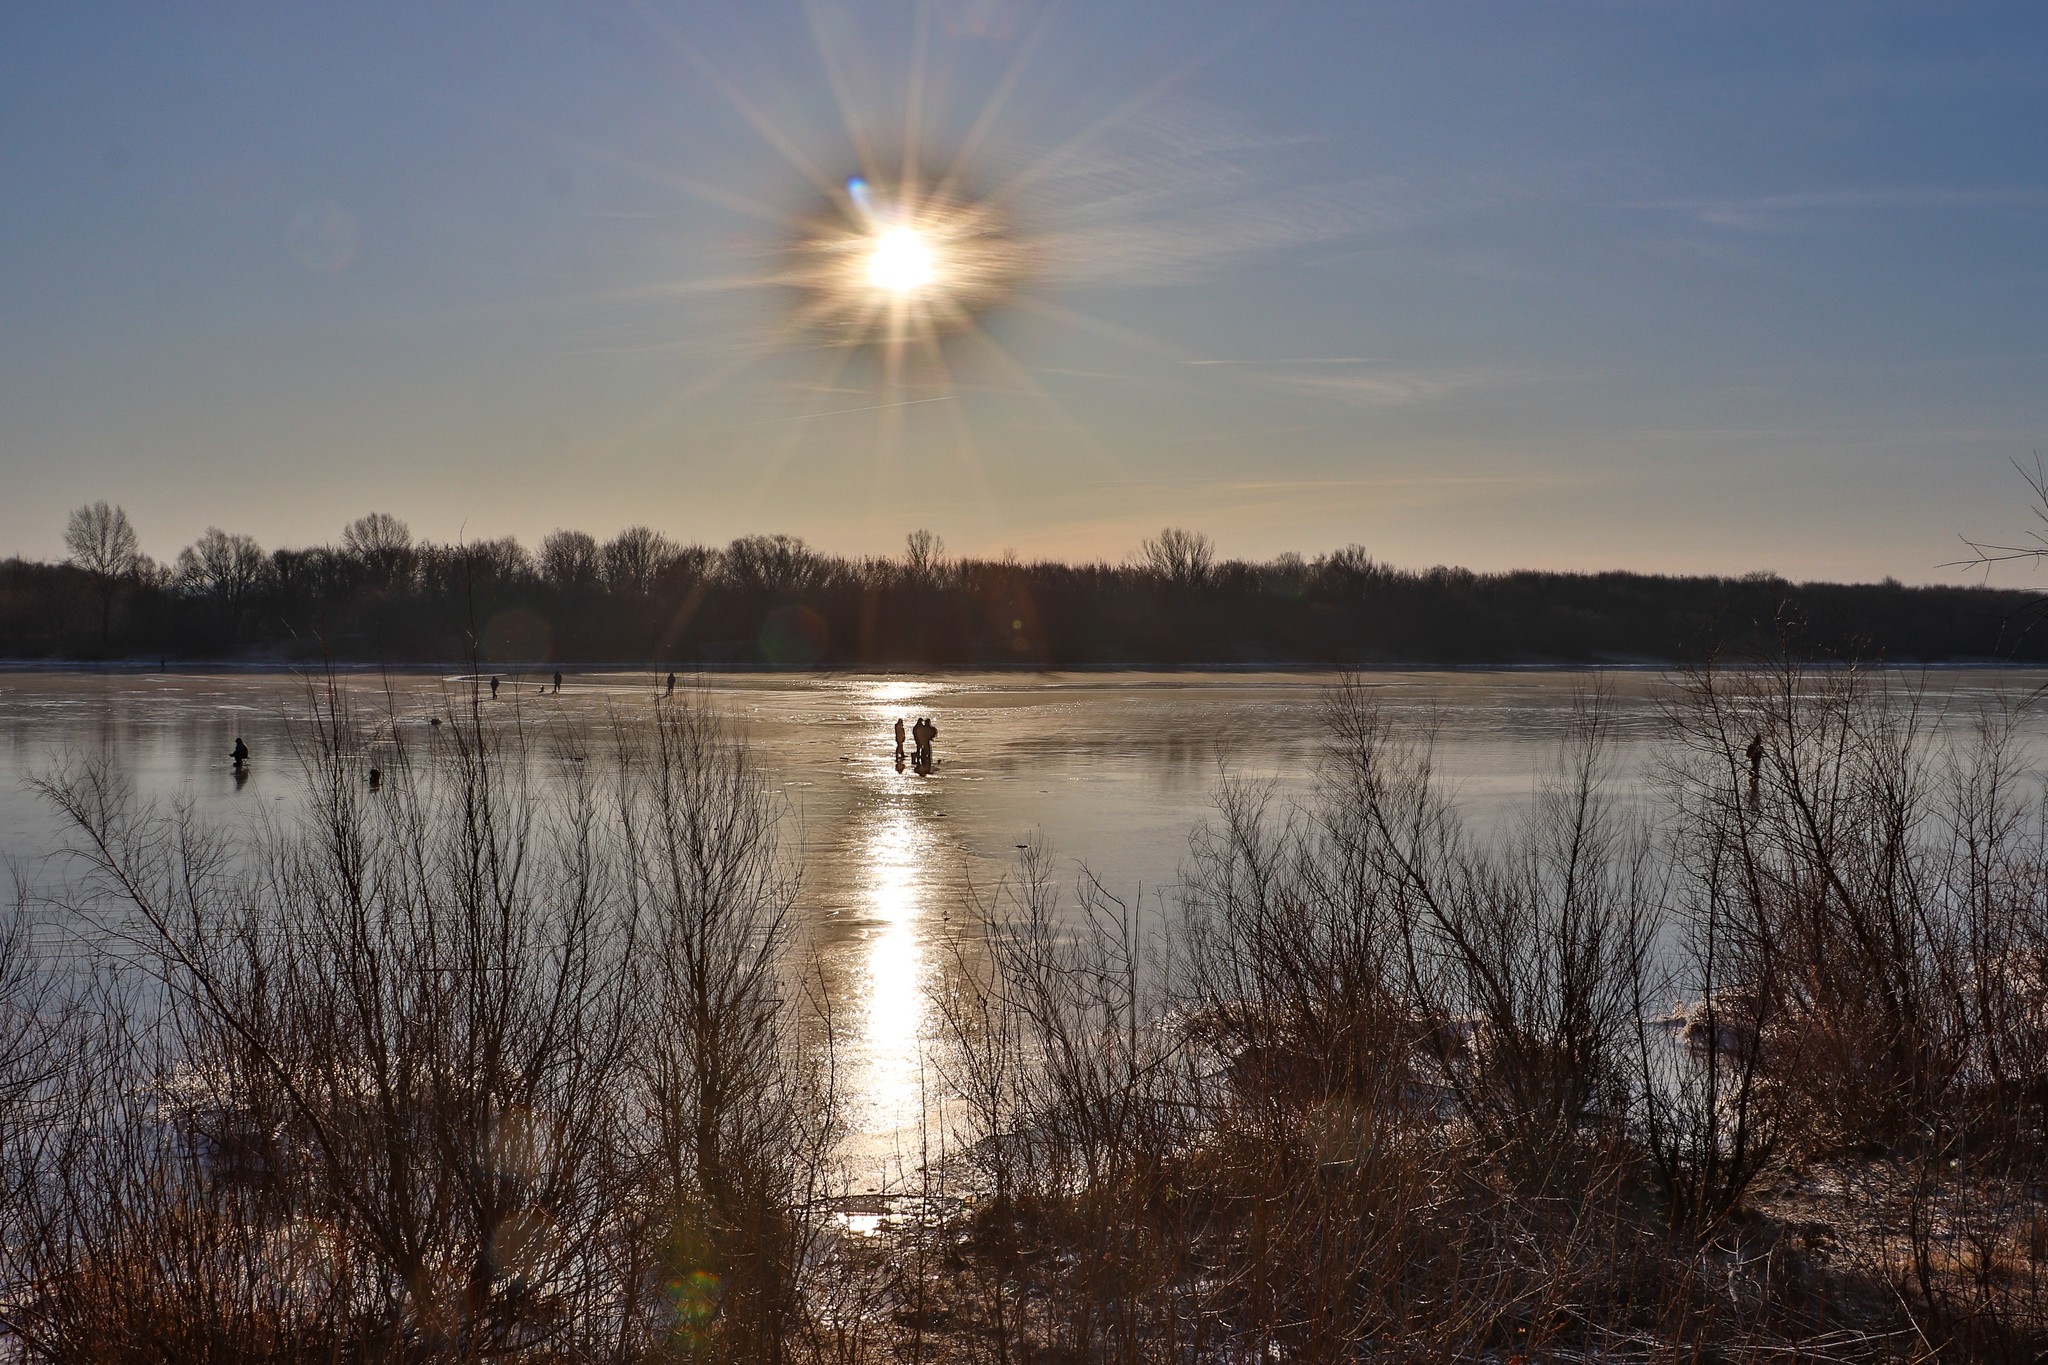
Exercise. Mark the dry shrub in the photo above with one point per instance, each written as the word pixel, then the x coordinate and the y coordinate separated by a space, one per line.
pixel 1823 872
pixel 1375 1091
pixel 1389 1088
pixel 739 1096
pixel 487 1063
pixel 512 1059
pixel 1076 1105
pixel 1531 951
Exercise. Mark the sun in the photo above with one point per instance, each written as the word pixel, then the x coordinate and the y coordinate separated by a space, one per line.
pixel 901 266
pixel 901 261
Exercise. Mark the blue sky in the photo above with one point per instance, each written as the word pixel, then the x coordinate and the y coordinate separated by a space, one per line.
pixel 1686 287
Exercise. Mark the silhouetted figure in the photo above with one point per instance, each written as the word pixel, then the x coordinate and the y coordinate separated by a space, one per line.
pixel 924 732
pixel 240 754
pixel 376 779
pixel 1756 768
pixel 899 744
pixel 494 689
pixel 434 721
pixel 671 685
pixel 558 684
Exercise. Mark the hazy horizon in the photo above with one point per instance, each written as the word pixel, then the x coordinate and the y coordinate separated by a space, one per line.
pixel 1131 557
pixel 1596 286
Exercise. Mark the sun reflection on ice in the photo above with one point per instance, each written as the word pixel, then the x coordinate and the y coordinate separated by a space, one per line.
pixel 898 690
pixel 893 970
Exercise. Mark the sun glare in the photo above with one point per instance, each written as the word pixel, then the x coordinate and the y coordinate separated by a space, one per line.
pixel 900 269
pixel 901 261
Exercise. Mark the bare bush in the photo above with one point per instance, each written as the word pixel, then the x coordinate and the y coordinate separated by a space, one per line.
pixel 1845 883
pixel 423 1075
pixel 739 1100
pixel 514 1057
pixel 1078 1104
pixel 1522 963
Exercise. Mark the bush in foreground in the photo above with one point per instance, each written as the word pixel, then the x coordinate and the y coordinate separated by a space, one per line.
pixel 512 1059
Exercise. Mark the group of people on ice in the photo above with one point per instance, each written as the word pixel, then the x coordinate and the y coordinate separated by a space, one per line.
pixel 922 734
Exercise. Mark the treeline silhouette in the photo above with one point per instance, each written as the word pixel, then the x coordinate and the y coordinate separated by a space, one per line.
pixel 380 595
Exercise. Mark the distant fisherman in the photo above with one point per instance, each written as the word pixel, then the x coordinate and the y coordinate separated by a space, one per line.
pixel 240 753
pixel 494 689
pixel 671 684
pixel 899 741
pixel 558 684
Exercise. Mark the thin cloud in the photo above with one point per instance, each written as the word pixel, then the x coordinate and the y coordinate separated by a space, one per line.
pixel 1177 191
pixel 1299 360
pixel 1363 381
pixel 1386 389
pixel 1788 212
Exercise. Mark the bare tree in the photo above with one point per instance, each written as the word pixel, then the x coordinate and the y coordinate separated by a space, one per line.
pixel 768 564
pixel 634 559
pixel 1348 570
pixel 569 559
pixel 102 542
pixel 223 568
pixel 924 556
pixel 382 544
pixel 1181 557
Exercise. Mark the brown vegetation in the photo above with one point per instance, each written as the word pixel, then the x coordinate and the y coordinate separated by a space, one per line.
pixel 512 1060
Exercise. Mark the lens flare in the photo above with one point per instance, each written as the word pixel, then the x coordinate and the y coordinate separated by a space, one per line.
pixel 901 267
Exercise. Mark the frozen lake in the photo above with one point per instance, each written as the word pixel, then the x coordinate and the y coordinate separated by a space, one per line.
pixel 1110 770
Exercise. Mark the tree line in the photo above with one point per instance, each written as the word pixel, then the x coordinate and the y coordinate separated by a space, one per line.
pixel 380 594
